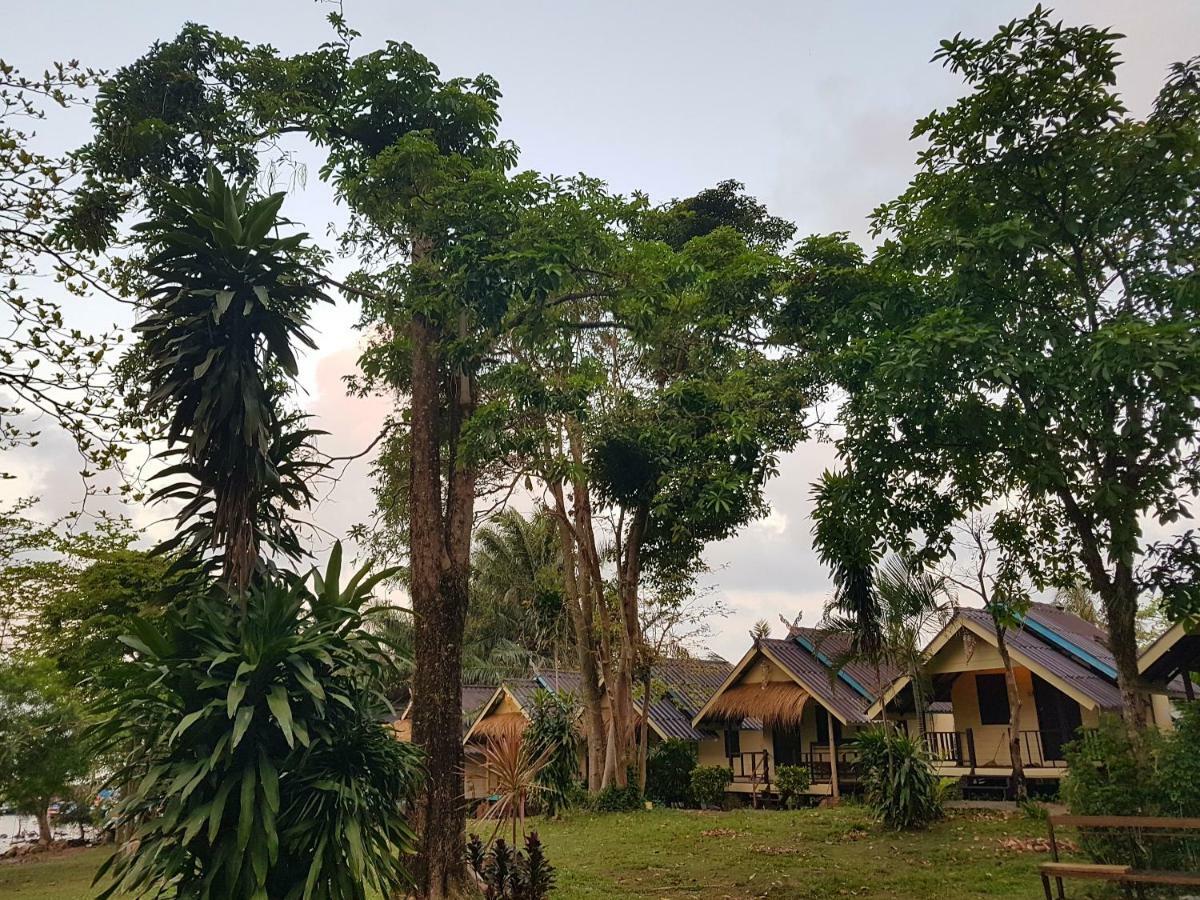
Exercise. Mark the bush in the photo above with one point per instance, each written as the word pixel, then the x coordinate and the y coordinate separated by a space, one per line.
pixel 708 785
pixel 669 772
pixel 258 763
pixel 792 782
pixel 552 725
pixel 618 799
pixel 505 875
pixel 898 782
pixel 1112 774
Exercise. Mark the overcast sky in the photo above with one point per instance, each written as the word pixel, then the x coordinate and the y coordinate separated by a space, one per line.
pixel 809 104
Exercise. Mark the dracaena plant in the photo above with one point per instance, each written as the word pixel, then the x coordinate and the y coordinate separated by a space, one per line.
pixel 227 307
pixel 256 761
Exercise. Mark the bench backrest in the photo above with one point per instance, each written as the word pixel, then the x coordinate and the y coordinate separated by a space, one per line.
pixel 1163 822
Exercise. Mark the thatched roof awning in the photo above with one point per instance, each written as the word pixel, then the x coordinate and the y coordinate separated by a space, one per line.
pixel 774 702
pixel 499 725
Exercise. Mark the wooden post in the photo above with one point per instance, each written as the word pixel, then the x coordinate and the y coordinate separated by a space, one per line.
pixel 834 791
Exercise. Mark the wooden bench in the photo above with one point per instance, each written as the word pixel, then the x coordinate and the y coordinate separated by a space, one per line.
pixel 1128 877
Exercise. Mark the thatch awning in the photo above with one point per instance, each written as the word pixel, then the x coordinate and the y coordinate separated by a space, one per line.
pixel 774 702
pixel 499 725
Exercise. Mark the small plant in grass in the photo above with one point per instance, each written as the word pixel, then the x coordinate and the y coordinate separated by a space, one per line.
pixel 792 783
pixel 618 799
pixel 708 785
pixel 507 874
pixel 899 783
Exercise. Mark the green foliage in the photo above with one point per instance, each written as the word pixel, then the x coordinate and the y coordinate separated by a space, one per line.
pixel 617 799
pixel 1023 336
pixel 708 785
pixel 42 750
pixel 256 762
pixel 50 372
pixel 79 620
pixel 669 767
pixel 552 725
pixel 792 783
pixel 228 300
pixel 898 781
pixel 505 875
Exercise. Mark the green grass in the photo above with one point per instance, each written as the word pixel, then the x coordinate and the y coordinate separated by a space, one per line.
pixel 817 853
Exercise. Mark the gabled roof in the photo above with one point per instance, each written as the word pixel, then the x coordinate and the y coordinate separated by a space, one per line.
pixel 689 684
pixel 474 696
pixel 1177 650
pixel 808 656
pixel 1057 645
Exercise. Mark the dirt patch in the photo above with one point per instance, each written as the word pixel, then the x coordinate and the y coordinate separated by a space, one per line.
pixel 1037 845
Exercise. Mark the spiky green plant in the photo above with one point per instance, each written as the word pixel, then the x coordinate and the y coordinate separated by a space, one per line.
pixel 256 762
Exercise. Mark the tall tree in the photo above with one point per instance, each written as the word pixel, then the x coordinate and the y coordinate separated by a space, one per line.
pixel 42 750
pixel 48 369
pixel 1026 333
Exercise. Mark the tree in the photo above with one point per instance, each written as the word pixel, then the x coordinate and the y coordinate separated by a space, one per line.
pixel 78 622
pixel 47 367
pixel 42 751
pixel 997 583
pixel 1025 335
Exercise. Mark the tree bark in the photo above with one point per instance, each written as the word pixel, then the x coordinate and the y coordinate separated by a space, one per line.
pixel 1019 788
pixel 583 623
pixel 644 736
pixel 45 835
pixel 439 561
pixel 1120 606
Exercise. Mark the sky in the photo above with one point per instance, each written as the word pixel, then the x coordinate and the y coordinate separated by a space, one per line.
pixel 810 104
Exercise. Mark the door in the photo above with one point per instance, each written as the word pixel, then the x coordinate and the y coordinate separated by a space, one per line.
pixel 785 743
pixel 1059 719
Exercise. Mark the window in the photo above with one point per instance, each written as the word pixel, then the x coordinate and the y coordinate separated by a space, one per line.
pixel 993 699
pixel 733 742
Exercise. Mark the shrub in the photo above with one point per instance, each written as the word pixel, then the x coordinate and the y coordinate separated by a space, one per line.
pixel 1114 774
pixel 898 782
pixel 669 772
pixel 505 875
pixel 552 727
pixel 708 785
pixel 618 799
pixel 792 782
pixel 256 757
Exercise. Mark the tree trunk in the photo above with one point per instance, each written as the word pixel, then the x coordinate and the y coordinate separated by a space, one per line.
pixel 644 737
pixel 439 588
pixel 1120 606
pixel 583 623
pixel 835 790
pixel 45 835
pixel 1019 788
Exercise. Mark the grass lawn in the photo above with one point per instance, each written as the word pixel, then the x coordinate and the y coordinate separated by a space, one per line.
pixel 817 853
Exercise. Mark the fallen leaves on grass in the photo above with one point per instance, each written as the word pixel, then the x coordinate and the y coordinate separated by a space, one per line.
pixel 719 832
pixel 766 850
pixel 1037 845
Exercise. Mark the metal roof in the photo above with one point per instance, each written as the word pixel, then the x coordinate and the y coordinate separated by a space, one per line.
pixel 837 695
pixel 1053 656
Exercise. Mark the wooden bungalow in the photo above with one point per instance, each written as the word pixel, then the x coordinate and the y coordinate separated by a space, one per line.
pixel 474 696
pixel 1066 677
pixel 506 712
pixel 784 705
pixel 1173 659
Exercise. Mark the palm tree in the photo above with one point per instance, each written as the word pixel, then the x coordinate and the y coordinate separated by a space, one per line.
pixel 908 605
pixel 517 598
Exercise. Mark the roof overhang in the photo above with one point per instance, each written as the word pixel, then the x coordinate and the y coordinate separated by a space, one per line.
pixel 487 708
pixel 952 629
pixel 1172 652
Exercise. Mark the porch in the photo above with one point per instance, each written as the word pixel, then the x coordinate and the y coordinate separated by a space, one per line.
pixel 956 752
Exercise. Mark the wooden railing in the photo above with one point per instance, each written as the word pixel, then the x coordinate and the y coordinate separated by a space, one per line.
pixel 952 748
pixel 751 767
pixel 1033 748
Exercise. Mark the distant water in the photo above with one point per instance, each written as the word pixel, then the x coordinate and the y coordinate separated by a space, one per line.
pixel 9 826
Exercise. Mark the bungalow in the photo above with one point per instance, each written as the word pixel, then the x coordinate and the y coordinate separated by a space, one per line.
pixel 474 696
pixel 1066 677
pixel 507 711
pixel 783 704
pixel 1174 655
